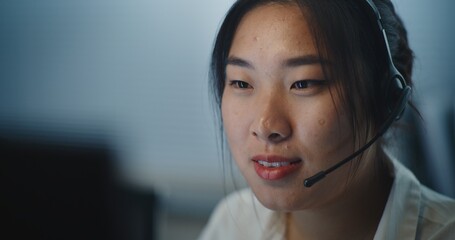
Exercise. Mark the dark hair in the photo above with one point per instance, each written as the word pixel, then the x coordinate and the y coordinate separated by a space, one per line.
pixel 349 38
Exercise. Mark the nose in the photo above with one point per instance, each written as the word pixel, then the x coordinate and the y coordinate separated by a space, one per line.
pixel 272 124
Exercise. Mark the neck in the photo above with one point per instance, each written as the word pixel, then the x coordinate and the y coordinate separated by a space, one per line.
pixel 355 216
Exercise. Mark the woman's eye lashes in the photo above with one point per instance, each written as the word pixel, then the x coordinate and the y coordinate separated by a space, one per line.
pixel 298 85
pixel 239 84
pixel 302 84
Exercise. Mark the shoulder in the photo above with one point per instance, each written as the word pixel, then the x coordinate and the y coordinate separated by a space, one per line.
pixel 239 216
pixel 437 216
pixel 413 211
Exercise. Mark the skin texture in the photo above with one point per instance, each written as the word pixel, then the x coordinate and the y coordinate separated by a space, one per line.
pixel 306 119
pixel 277 103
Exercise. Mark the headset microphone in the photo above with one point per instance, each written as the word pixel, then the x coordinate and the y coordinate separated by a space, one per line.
pixel 395 112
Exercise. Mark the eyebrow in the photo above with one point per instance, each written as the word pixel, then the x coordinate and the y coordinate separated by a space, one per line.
pixel 236 61
pixel 304 60
pixel 291 62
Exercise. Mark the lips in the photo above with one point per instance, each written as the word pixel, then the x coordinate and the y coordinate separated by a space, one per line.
pixel 275 167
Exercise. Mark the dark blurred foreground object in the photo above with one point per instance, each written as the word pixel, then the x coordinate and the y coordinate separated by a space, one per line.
pixel 50 190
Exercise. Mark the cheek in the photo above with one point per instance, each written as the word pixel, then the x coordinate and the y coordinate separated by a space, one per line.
pixel 236 129
pixel 326 132
pixel 228 114
pixel 234 123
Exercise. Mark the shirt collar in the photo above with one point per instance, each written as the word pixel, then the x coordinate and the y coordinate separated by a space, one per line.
pixel 401 214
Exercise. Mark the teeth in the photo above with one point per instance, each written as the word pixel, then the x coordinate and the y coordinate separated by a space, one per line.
pixel 273 164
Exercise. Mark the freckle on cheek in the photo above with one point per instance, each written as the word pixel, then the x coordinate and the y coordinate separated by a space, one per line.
pixel 321 122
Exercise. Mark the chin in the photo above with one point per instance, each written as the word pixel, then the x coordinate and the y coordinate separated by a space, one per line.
pixel 280 205
pixel 279 199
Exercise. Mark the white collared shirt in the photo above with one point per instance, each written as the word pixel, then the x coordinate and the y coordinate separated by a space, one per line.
pixel 412 212
pixel 415 212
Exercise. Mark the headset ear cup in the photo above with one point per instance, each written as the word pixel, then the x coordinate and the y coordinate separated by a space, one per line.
pixel 398 96
pixel 393 93
pixel 403 99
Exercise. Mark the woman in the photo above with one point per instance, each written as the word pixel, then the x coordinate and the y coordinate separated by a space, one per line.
pixel 301 86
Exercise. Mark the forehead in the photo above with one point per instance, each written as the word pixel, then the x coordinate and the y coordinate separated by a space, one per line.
pixel 274 28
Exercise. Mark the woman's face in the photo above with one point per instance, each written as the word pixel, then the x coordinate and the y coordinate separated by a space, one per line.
pixel 282 122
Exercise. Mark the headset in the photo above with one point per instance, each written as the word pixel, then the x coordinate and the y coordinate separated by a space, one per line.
pixel 396 87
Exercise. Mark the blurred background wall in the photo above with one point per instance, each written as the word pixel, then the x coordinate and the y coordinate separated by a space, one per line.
pixel 134 73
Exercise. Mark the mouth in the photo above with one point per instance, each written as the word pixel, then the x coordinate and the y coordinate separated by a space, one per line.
pixel 275 167
pixel 276 164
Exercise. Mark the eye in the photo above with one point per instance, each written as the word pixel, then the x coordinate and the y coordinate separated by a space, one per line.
pixel 239 84
pixel 304 84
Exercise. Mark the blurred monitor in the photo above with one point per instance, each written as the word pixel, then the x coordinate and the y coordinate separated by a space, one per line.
pixel 50 190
